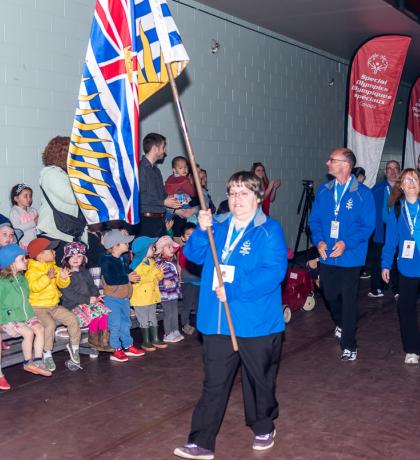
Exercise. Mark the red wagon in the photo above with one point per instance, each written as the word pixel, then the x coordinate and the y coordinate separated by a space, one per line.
pixel 297 292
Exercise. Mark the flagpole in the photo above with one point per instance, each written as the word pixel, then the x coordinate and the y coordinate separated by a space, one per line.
pixel 197 181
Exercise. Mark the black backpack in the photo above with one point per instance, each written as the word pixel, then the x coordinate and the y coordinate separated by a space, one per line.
pixel 66 223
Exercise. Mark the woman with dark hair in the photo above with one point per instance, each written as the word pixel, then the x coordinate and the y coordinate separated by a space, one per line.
pixel 253 252
pixel 359 173
pixel 57 193
pixel 270 186
pixel 403 231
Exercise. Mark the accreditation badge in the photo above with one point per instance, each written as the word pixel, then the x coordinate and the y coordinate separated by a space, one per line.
pixel 228 275
pixel 408 249
pixel 335 227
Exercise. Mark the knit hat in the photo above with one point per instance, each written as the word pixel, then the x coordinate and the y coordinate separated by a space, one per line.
pixel 164 241
pixel 9 253
pixel 74 248
pixel 40 244
pixel 5 222
pixel 116 237
pixel 139 248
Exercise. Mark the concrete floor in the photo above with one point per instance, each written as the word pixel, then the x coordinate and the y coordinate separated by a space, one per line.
pixel 368 409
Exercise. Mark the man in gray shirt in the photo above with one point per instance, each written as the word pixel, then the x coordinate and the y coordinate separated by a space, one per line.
pixel 153 197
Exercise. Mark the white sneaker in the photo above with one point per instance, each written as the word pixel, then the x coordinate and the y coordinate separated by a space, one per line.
pixel 170 338
pixel 348 355
pixel 376 294
pixel 178 336
pixel 411 358
pixel 337 332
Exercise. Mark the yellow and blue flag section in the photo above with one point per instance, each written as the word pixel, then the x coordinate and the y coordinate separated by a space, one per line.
pixel 130 43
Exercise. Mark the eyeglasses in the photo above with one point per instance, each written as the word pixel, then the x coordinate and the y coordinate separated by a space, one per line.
pixel 336 159
pixel 411 180
pixel 241 195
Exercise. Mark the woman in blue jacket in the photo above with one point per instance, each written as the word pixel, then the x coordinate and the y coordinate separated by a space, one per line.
pixel 403 230
pixel 253 252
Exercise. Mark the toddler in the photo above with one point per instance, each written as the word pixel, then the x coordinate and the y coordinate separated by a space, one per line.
pixel 45 279
pixel 116 281
pixel 82 297
pixel 169 287
pixel 146 292
pixel 16 315
pixel 22 215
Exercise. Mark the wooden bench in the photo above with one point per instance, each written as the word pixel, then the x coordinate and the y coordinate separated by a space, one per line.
pixel 14 355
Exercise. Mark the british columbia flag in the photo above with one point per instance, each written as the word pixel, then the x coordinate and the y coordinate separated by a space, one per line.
pixel 130 43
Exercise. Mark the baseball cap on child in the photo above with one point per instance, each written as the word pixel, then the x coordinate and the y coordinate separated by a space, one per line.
pixel 41 244
pixel 116 237
pixel 74 248
pixel 165 241
pixel 139 248
pixel 9 253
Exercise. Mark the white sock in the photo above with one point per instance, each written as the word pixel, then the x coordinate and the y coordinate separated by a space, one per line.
pixel 47 354
pixel 74 347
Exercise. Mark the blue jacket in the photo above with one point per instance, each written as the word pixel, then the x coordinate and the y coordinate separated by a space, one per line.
pixel 378 195
pixel 397 231
pixel 254 297
pixel 356 217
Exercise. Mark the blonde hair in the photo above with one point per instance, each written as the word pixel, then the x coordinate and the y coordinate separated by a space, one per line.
pixel 397 192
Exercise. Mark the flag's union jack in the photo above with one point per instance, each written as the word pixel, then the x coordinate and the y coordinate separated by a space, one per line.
pixel 130 43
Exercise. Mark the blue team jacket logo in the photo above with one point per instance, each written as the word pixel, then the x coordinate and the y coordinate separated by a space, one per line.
pixel 245 248
pixel 349 204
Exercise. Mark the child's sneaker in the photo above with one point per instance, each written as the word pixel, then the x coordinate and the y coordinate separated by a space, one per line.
pixel 74 354
pixel 178 336
pixel 50 364
pixel 41 365
pixel 4 384
pixel 134 351
pixel 119 356
pixel 169 338
pixel 34 369
pixel 188 329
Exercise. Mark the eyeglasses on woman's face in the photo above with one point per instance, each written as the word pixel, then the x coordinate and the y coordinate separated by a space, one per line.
pixel 241 195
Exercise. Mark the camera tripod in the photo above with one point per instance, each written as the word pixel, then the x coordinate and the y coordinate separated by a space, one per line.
pixel 307 198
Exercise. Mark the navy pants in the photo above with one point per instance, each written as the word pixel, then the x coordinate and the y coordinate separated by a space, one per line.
pixel 259 359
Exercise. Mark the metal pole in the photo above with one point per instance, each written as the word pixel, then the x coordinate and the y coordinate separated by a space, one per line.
pixel 197 181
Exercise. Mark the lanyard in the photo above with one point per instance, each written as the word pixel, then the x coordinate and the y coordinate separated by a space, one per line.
pixel 411 224
pixel 229 247
pixel 336 200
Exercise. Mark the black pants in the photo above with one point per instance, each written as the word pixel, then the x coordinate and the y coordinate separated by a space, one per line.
pixel 376 281
pixel 150 226
pixel 341 286
pixel 190 294
pixel 259 358
pixel 407 312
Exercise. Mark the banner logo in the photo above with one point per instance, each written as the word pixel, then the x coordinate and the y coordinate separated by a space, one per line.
pixel 377 63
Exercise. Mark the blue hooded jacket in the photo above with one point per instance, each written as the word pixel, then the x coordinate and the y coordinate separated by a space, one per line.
pixel 356 217
pixel 254 297
pixel 397 231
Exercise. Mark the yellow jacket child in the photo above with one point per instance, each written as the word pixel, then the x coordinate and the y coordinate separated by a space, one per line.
pixel 44 278
pixel 43 290
pixel 146 291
